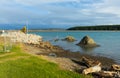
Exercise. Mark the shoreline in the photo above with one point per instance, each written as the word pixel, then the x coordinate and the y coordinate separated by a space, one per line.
pixel 67 60
pixel 60 52
pixel 47 46
pixel 71 61
pixel 77 55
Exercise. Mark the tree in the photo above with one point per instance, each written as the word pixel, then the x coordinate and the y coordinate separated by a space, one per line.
pixel 24 29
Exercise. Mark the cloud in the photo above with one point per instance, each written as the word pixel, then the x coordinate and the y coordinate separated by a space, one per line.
pixel 60 12
pixel 37 2
pixel 108 6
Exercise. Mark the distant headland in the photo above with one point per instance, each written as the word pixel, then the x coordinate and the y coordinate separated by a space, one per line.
pixel 97 27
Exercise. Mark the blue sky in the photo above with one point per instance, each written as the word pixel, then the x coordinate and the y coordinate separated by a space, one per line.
pixel 60 13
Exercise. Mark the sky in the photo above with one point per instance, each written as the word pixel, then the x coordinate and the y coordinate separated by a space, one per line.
pixel 60 13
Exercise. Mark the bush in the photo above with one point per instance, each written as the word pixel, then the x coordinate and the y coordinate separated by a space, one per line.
pixel 24 29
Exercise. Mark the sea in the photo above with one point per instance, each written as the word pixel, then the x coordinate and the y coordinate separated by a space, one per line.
pixel 109 42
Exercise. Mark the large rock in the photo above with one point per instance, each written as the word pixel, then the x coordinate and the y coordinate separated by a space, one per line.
pixel 87 42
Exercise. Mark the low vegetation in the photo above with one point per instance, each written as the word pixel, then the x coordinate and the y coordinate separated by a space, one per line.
pixel 19 64
pixel 24 29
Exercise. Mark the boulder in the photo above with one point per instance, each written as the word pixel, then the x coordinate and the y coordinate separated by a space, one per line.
pixel 69 39
pixel 93 69
pixel 87 42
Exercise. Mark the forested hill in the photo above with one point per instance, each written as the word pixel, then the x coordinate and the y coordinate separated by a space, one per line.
pixel 98 27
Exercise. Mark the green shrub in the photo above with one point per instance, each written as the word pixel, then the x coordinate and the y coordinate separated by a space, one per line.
pixel 24 29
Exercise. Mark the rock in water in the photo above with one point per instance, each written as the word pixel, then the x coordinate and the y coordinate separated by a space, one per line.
pixel 87 42
pixel 69 39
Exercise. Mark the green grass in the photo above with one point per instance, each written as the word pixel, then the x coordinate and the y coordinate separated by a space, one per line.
pixel 31 67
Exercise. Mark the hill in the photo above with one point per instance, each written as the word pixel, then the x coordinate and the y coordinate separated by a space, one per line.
pixel 98 27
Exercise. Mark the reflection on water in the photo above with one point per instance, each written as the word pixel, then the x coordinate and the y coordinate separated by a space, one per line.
pixel 91 49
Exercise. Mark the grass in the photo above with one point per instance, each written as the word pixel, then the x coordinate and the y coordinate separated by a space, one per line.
pixel 18 64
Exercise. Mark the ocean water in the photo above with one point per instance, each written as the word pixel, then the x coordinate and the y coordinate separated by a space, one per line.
pixel 109 42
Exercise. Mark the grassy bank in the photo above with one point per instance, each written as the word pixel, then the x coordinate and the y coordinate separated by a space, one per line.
pixel 18 64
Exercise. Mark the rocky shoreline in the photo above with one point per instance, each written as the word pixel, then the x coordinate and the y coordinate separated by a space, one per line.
pixel 18 36
pixel 70 60
pixel 60 52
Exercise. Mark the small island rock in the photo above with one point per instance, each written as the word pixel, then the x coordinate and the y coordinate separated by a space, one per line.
pixel 87 42
pixel 69 39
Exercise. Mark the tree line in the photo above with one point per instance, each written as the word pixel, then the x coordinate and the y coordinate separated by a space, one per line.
pixel 98 27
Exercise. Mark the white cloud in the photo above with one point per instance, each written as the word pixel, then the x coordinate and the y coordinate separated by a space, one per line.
pixel 41 12
pixel 108 6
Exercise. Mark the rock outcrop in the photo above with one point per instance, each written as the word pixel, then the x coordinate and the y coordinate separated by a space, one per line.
pixel 87 42
pixel 69 39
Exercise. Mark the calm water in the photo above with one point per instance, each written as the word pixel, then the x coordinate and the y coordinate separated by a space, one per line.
pixel 109 41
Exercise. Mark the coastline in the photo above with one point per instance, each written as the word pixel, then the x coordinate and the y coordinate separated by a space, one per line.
pixel 66 59
pixel 69 53
pixel 60 52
